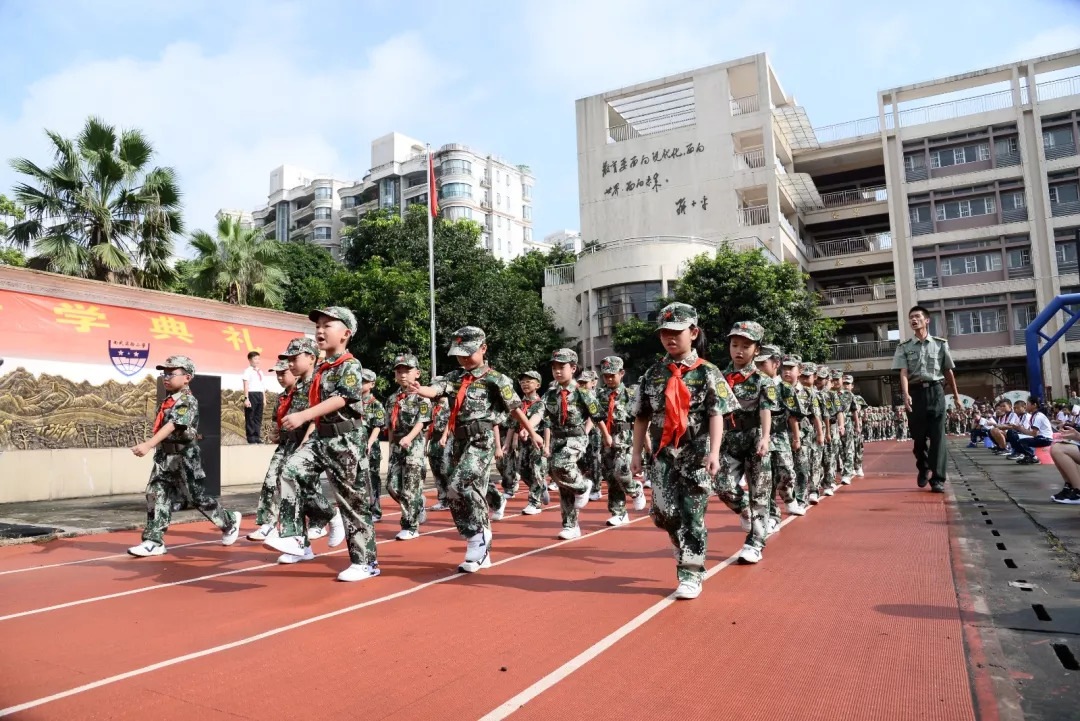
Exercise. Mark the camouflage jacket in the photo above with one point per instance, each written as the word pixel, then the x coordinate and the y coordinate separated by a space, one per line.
pixel 527 402
pixel 411 409
pixel 847 403
pixel 581 405
pixel 298 401
pixel 440 416
pixel 374 413
pixel 342 380
pixel 623 399
pixel 788 407
pixel 184 414
pixel 488 398
pixel 753 392
pixel 806 407
pixel 710 395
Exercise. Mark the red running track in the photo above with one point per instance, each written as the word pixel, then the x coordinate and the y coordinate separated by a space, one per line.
pixel 852 614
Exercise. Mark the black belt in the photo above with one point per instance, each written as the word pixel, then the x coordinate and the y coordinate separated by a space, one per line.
pixel 329 430
pixel 173 447
pixel 472 428
pixel 295 435
pixel 925 384
pixel 568 432
pixel 742 422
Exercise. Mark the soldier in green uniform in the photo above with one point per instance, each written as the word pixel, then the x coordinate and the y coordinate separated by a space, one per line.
pixel 436 450
pixel 532 463
pixel 481 395
pixel 784 431
pixel 747 438
pixel 849 426
pixel 860 435
pixel 335 444
pixel 924 362
pixel 808 467
pixel 680 404
pixel 374 422
pixel 830 405
pixel 618 432
pixel 178 467
pixel 591 463
pixel 409 416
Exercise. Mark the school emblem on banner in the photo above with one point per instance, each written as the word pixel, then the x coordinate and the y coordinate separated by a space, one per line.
pixel 127 356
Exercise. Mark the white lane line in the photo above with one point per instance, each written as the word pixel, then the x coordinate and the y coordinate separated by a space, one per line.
pixel 598 648
pixel 283 629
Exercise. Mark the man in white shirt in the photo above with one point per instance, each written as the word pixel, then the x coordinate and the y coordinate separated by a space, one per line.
pixel 1034 432
pixel 254 395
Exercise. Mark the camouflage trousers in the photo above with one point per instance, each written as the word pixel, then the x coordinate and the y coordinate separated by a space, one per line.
pixel 339 457
pixel 816 478
pixel 374 474
pixel 315 506
pixel 803 463
pixel 591 463
pixel 533 469
pixel 438 461
pixel 782 460
pixel 468 472
pixel 847 449
pixel 680 497
pixel 831 458
pixel 179 476
pixel 508 470
pixel 858 452
pixel 564 465
pixel 405 480
pixel 615 464
pixel 738 458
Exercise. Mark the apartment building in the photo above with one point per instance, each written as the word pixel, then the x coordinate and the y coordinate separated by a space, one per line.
pixel 960 195
pixel 471 184
pixel 302 205
pixel 566 239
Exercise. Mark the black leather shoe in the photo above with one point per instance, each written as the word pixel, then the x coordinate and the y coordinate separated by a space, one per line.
pixel 923 480
pixel 937 486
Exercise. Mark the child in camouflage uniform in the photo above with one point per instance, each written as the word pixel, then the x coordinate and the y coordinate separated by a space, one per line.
pixel 436 449
pixel 591 464
pixel 860 413
pixel 830 453
pixel 335 444
pixel 409 414
pixel 532 463
pixel 374 422
pixel 680 404
pixel 811 434
pixel 567 409
pixel 783 435
pixel 507 463
pixel 481 395
pixel 178 467
pixel 848 428
pixel 747 438
pixel 816 479
pixel 618 432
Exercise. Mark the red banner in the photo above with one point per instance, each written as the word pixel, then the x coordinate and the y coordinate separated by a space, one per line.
pixel 36 326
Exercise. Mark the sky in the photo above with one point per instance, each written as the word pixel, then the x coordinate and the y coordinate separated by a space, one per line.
pixel 227 91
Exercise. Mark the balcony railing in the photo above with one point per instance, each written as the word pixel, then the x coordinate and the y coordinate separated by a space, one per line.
pixel 1071 207
pixel 750 159
pixel 854 196
pixel 559 275
pixel 745 104
pixel 850 129
pixel 754 215
pixel 1054 152
pixel 1020 272
pixel 859 294
pixel 927 283
pixel 863 351
pixel 849 246
pixel 1058 88
pixel 786 225
pixel 1013 215
pixel 956 108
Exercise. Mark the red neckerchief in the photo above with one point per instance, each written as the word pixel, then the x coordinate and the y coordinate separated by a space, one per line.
pixel 460 397
pixel 284 401
pixel 563 394
pixel 159 421
pixel 676 404
pixel 397 407
pixel 314 394
pixel 611 410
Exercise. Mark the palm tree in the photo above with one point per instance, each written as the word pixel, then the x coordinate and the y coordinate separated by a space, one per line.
pixel 240 266
pixel 100 211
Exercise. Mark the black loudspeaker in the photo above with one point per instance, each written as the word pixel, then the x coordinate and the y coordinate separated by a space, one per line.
pixel 207 390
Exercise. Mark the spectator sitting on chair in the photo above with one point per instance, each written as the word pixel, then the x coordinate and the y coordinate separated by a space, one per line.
pixel 980 428
pixel 1066 455
pixel 254 395
pixel 1006 419
pixel 1034 432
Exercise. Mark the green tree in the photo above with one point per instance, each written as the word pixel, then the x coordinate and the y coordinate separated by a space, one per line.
pixel 528 269
pixel 731 286
pixel 100 211
pixel 309 268
pixel 636 341
pixel 12 256
pixel 239 266
pixel 9 212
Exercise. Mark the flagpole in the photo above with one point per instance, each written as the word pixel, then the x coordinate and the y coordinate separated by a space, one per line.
pixel 431 251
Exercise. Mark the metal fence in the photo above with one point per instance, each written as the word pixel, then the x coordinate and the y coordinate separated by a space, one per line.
pixel 859 294
pixel 864 350
pixel 848 246
pixel 745 104
pixel 559 274
pixel 854 196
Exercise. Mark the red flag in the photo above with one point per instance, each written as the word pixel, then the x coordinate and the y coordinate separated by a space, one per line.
pixel 433 198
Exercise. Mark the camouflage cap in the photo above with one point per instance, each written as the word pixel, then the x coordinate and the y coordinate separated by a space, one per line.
pixel 298 346
pixel 611 364
pixel 748 329
pixel 531 374
pixel 847 378
pixel 807 369
pixel 467 341
pixel 178 361
pixel 677 316
pixel 588 376
pixel 406 359
pixel 336 312
pixel 280 366
pixel 564 355
pixel 768 352
pixel 368 375
pixel 836 375
pixel 791 360
pixel 822 372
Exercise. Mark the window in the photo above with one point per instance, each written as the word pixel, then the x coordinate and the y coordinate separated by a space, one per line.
pixel 959 156
pixel 528 235
pixel 498 220
pixel 970 322
pixel 322 193
pixel 919 214
pixel 1065 253
pixel 458 212
pixel 321 234
pixel 1023 315
pixel 964 264
pixel 456 190
pixel 349 202
pixel 914 162
pixel 966 208
pixel 322 214
pixel 1013 201
pixel 1066 193
pixel 498 200
pixel 508 180
pixel 526 192
pixel 497 177
pixel 526 212
pixel 925 269
pixel 1004 146
pixel 388 192
pixel 1019 257
pixel 618 302
pixel 456 167
pixel 417 200
pixel 1056 137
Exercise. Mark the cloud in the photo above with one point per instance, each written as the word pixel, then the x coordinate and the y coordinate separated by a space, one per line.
pixel 225 120
pixel 1048 42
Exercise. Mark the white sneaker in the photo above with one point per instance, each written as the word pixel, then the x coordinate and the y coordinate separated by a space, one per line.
pixel 359 572
pixel 639 501
pixel 582 499
pixel 619 519
pixel 744 520
pixel 749 554
pixel 477 554
pixel 647 483
pixel 829 491
pixel 795 509
pixel 596 495
pixel 688 590
pixel 859 472
pixel 337 530
pixel 147 548
pixel 547 497
pixel 261 532
pixel 497 514
pixel 813 499
pixel 309 555
pixel 568 533
pixel 229 537
pixel 314 534
pixel 406 535
pixel 846 480
pixel 507 495
pixel 772 526
pixel 440 506
pixel 291 545
pixel 553 486
pixel 423 517
pixel 531 510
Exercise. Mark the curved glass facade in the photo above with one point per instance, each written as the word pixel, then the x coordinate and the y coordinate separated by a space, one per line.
pixel 455 190
pixel 616 303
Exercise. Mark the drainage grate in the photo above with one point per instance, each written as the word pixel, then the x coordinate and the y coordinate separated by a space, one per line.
pixel 1009 563
pixel 1066 657
pixel 18 530
pixel 1001 546
pixel 1040 611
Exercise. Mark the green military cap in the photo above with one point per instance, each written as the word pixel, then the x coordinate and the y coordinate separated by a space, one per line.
pixel 298 346
pixel 280 366
pixel 748 329
pixel 531 374
pixel 768 352
pixel 178 361
pixel 587 376
pixel 791 360
pixel 368 375
pixel 807 369
pixel 822 372
pixel 677 316
pixel 336 312
pixel 564 355
pixel 836 375
pixel 467 341
pixel 406 359
pixel 611 364
pixel 848 378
